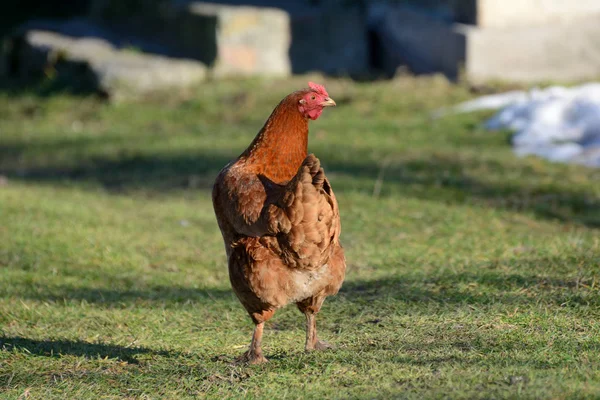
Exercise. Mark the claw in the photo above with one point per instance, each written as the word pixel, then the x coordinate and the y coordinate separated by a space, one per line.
pixel 251 358
pixel 323 345
pixel 320 345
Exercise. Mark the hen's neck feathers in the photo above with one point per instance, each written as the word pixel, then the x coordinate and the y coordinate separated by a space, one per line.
pixel 282 144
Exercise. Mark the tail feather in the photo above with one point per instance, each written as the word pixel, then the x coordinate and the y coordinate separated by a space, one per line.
pixel 315 170
pixel 312 211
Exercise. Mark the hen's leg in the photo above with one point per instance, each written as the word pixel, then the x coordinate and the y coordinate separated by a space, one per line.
pixel 312 341
pixel 310 307
pixel 254 355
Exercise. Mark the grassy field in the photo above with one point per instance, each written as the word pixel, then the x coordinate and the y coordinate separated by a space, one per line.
pixel 471 273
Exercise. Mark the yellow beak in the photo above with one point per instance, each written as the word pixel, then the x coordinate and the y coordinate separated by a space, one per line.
pixel 328 102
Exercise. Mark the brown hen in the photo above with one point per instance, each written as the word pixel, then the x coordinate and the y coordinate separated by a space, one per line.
pixel 280 220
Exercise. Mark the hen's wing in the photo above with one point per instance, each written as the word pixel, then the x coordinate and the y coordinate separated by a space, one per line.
pixel 243 203
pixel 310 215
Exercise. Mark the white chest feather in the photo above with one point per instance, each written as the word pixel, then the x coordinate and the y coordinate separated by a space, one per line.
pixel 308 283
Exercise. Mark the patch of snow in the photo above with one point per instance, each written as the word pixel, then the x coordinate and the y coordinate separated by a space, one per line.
pixel 559 124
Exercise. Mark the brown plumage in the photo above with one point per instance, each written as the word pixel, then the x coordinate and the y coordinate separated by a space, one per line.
pixel 280 220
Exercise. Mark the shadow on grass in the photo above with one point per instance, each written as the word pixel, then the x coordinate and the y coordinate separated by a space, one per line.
pixel 149 296
pixel 477 289
pixel 482 288
pixel 78 348
pixel 124 172
pixel 454 181
pixel 442 178
pixel 43 87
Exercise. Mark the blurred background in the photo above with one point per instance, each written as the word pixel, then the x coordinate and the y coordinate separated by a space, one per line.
pixel 516 51
pixel 464 152
pixel 475 39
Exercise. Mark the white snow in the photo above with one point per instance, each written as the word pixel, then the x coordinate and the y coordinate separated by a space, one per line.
pixel 557 123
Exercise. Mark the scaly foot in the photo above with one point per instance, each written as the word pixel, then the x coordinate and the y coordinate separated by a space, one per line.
pixel 251 357
pixel 323 345
pixel 320 345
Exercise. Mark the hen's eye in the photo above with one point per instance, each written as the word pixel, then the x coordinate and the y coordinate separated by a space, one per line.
pixel 312 97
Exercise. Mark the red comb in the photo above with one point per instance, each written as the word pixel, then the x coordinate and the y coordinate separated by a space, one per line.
pixel 315 87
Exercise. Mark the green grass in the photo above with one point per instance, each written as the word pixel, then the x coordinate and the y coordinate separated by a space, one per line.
pixel 471 273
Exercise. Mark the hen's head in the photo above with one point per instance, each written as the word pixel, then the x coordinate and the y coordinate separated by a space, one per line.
pixel 313 101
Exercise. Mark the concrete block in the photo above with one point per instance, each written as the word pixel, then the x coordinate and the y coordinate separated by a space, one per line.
pixel 508 13
pixel 248 40
pixel 524 13
pixel 232 40
pixel 564 52
pixel 94 63
pixel 270 37
pixel 559 51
